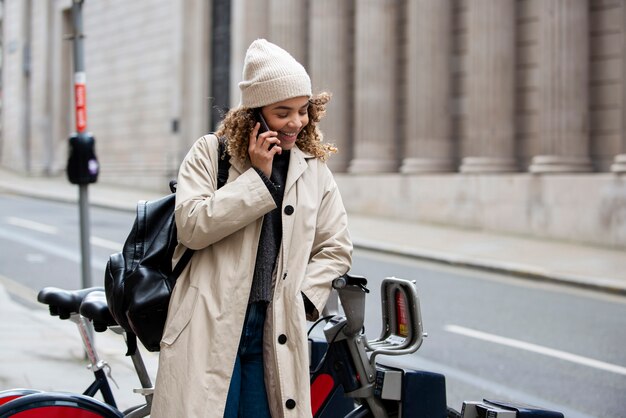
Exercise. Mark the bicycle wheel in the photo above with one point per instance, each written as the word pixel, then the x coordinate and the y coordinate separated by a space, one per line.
pixel 57 405
pixel 9 395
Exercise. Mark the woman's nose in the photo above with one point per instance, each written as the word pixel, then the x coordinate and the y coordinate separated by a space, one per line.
pixel 295 123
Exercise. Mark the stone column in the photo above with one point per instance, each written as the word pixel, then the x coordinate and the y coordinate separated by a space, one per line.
pixel 288 27
pixel 428 144
pixel 16 117
pixel 195 72
pixel 330 65
pixel 564 92
pixel 619 164
pixel 376 131
pixel 491 88
pixel 249 21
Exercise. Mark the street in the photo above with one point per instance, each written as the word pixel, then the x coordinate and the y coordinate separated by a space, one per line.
pixel 44 236
pixel 492 336
pixel 502 338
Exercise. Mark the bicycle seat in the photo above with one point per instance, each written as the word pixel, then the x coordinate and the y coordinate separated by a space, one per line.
pixel 63 303
pixel 95 308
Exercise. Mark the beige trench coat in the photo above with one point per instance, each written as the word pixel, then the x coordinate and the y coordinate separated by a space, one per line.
pixel 209 301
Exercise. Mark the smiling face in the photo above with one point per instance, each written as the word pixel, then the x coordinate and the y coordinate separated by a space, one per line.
pixel 288 118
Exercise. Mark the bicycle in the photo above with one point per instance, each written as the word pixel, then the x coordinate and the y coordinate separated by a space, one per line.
pixel 87 308
pixel 348 365
pixel 346 379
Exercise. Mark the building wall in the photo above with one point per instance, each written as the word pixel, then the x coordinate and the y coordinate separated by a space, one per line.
pixel 134 54
pixel 606 84
pixel 14 86
pixel 130 62
pixel 579 208
pixel 505 115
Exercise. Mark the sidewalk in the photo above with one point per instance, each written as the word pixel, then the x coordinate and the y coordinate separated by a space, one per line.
pixel 41 352
pixel 587 266
pixel 44 362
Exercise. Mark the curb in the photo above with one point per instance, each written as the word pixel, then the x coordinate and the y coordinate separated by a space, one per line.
pixel 518 270
pixel 64 198
pixel 514 269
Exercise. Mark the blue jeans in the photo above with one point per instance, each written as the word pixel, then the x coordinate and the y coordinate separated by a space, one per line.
pixel 246 395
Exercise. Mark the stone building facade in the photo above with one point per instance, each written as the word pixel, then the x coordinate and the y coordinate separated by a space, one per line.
pixel 506 115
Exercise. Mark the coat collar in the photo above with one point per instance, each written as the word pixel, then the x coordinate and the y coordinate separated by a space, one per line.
pixel 297 165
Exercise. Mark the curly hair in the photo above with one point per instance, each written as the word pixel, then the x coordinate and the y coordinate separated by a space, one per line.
pixel 239 122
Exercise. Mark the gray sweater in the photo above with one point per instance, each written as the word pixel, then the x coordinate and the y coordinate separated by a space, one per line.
pixel 271 232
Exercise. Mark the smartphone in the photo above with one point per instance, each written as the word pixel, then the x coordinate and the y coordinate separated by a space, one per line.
pixel 261 120
pixel 263 127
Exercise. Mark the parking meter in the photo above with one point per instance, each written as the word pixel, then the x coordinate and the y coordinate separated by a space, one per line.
pixel 82 164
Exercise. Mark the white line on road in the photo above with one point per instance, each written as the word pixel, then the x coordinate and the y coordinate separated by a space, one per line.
pixel 52 230
pixel 489 388
pixel 71 255
pixel 563 355
pixel 105 243
pixel 32 225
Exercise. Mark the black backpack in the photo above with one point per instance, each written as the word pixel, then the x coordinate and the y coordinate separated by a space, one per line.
pixel 138 281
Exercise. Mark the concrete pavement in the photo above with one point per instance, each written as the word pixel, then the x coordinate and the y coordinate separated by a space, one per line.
pixel 41 352
pixel 47 351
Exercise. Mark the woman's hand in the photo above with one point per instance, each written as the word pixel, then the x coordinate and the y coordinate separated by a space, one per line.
pixel 263 148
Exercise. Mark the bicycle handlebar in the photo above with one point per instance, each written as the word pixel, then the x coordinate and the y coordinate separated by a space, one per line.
pixel 350 280
pixel 402 325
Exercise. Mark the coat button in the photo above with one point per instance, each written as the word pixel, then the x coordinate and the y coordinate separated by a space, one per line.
pixel 282 339
pixel 290 404
pixel 288 210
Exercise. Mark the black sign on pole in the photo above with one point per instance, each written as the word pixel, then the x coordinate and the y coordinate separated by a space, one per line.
pixel 82 164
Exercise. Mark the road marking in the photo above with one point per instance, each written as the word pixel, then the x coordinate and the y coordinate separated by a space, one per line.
pixel 487 387
pixel 71 255
pixel 36 258
pixel 52 230
pixel 105 243
pixel 32 225
pixel 563 355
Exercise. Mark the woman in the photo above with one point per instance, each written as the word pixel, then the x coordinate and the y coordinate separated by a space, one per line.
pixel 268 245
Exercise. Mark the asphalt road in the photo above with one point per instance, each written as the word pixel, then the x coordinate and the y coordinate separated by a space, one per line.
pixel 510 339
pixel 41 241
pixel 491 336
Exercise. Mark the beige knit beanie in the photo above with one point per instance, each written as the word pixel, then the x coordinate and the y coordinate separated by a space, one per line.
pixel 270 75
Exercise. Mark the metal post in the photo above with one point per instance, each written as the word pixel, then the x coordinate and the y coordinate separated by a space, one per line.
pixel 85 245
pixel 81 128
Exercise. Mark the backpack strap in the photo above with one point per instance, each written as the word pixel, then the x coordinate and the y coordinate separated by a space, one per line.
pixel 182 263
pixel 223 162
pixel 222 176
pixel 223 165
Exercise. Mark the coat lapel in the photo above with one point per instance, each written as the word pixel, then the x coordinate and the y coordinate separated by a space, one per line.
pixel 297 166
